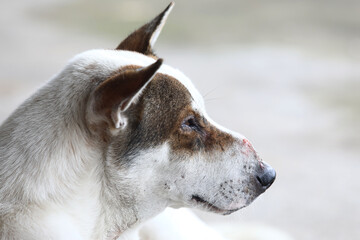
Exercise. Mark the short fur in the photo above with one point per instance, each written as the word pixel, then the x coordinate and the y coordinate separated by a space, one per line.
pixel 113 140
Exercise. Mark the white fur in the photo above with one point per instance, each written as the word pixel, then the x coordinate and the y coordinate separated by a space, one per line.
pixel 178 224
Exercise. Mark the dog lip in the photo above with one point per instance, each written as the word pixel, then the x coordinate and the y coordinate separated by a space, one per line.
pixel 212 207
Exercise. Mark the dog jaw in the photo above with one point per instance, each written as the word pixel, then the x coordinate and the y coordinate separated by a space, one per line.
pixel 220 178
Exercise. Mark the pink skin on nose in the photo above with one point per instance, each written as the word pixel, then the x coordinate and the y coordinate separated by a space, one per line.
pixel 248 149
pixel 247 143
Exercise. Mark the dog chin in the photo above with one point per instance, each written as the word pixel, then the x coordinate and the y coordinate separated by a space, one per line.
pixel 199 202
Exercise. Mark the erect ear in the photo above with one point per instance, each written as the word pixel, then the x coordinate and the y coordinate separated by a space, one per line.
pixel 113 96
pixel 144 38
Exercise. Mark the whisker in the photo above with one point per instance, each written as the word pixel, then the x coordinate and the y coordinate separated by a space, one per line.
pixel 211 91
pixel 211 99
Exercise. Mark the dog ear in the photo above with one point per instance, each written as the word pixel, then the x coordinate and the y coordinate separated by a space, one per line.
pixel 114 95
pixel 143 39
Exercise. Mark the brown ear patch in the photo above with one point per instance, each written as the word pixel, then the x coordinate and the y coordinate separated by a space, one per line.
pixel 116 92
pixel 142 39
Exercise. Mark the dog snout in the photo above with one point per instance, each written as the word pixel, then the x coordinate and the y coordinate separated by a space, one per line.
pixel 266 175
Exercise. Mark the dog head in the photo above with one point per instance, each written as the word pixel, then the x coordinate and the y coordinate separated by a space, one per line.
pixel 160 146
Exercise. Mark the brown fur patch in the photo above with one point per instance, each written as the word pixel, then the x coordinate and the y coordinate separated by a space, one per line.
pixel 154 117
pixel 208 138
pixel 157 117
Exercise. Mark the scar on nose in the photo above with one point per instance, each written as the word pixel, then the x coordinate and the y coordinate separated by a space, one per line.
pixel 247 148
pixel 247 143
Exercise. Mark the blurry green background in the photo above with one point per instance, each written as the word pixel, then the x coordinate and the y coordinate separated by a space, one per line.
pixel 284 73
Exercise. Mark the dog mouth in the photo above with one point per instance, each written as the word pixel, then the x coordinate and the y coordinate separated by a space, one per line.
pixel 211 207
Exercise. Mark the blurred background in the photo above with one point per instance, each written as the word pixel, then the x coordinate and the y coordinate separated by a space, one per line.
pixel 284 73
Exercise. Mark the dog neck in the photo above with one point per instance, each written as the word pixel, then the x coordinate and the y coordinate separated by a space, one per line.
pixel 138 200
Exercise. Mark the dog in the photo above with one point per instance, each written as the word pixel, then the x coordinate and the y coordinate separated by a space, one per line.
pixel 114 139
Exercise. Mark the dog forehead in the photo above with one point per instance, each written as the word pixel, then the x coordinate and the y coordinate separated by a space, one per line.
pixel 105 62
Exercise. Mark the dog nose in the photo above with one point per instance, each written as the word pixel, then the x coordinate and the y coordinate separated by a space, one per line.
pixel 266 175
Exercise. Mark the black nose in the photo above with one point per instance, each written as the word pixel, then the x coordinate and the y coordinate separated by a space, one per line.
pixel 266 175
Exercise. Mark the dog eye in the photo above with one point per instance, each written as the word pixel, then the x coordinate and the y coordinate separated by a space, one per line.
pixel 190 124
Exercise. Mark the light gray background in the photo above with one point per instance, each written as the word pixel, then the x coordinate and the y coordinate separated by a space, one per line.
pixel 286 74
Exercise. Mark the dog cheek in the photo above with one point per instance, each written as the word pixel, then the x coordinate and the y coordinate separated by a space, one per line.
pixel 180 177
